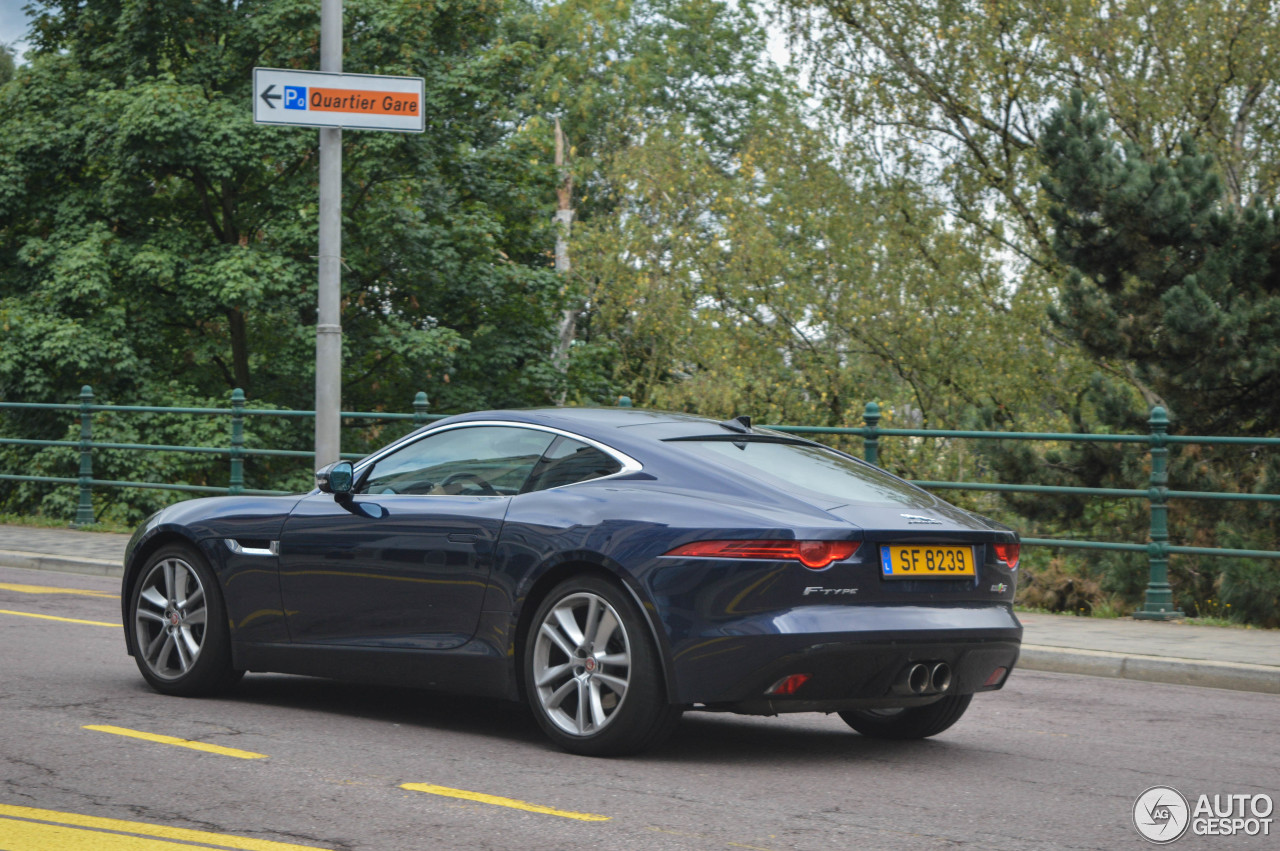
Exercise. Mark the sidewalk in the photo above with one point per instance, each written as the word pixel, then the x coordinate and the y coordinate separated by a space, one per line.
pixel 1178 653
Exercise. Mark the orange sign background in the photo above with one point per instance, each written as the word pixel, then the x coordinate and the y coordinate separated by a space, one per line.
pixel 370 103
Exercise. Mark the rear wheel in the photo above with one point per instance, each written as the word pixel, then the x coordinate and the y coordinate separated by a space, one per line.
pixel 916 722
pixel 591 671
pixel 181 639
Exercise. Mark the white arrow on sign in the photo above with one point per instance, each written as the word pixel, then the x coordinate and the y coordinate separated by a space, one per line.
pixel 348 101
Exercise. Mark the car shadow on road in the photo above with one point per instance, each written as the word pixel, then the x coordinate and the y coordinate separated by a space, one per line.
pixel 702 737
pixel 715 738
pixel 405 706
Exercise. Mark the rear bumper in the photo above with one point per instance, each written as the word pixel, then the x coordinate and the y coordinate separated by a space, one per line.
pixel 852 654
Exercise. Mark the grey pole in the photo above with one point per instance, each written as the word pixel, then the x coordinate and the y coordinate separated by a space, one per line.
pixel 328 318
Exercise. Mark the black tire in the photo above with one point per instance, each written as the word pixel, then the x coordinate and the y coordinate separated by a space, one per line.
pixel 917 722
pixel 596 688
pixel 178 625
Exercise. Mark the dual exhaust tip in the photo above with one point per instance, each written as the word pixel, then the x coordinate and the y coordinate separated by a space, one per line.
pixel 924 678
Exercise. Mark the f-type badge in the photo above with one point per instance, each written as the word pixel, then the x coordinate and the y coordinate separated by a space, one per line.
pixel 828 592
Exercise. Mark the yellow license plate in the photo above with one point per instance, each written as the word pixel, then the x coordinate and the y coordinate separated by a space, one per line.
pixel 926 562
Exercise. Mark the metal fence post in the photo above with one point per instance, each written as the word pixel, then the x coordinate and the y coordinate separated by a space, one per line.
pixel 236 484
pixel 420 409
pixel 871 439
pixel 84 510
pixel 1159 599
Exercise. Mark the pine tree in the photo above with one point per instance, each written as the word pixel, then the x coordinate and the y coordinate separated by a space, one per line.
pixel 1166 281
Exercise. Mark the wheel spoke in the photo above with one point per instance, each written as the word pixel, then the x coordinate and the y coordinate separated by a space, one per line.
pixel 568 624
pixel 181 582
pixel 170 591
pixel 557 697
pixel 155 617
pixel 154 597
pixel 161 659
pixel 552 674
pixel 196 618
pixel 597 709
pixel 592 621
pixel 583 699
pixel 608 625
pixel 196 599
pixel 152 654
pixel 617 684
pixel 613 658
pixel 549 630
pixel 184 661
pixel 193 646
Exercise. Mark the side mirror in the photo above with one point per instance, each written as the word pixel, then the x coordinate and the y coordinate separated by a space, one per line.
pixel 336 478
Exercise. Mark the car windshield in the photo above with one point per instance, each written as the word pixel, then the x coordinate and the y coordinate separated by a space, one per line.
pixel 809 471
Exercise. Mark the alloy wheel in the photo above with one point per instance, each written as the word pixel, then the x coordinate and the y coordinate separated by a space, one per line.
pixel 170 618
pixel 581 663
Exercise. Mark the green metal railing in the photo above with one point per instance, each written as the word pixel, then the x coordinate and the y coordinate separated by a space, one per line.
pixel 235 451
pixel 1158 603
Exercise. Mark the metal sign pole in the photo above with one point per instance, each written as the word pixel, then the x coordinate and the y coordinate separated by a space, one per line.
pixel 328 318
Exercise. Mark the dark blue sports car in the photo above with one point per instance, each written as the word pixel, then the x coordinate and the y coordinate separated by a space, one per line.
pixel 612 567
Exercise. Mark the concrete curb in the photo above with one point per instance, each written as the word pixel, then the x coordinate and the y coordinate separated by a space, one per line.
pixel 63 564
pixel 1237 676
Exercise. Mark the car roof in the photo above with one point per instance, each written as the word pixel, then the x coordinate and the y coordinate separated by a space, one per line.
pixel 598 420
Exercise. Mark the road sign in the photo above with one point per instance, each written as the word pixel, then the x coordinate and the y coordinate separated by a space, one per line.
pixel 348 101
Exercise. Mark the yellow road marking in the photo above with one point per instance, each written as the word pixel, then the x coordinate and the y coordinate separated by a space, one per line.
pixel 63 620
pixel 49 830
pixel 170 740
pixel 480 797
pixel 51 589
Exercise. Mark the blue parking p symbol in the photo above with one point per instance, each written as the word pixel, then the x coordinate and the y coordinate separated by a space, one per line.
pixel 295 97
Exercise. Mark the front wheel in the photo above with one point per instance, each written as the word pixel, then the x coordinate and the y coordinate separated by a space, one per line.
pixel 917 722
pixel 591 671
pixel 181 640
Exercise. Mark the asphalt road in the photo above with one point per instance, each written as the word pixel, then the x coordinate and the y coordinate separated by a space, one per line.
pixel 90 758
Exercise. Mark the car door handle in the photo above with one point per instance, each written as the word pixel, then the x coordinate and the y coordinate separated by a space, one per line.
pixel 460 538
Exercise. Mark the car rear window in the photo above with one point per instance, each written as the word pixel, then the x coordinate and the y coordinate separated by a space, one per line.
pixel 811 471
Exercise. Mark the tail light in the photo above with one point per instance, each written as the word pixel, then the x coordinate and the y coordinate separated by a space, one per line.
pixel 789 685
pixel 814 555
pixel 1008 553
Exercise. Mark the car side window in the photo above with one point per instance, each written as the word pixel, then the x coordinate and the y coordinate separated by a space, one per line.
pixel 466 461
pixel 568 461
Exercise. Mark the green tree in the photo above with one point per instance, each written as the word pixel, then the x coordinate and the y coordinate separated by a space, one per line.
pixel 1165 275
pixel 159 246
pixel 954 96
pixel 6 64
pixel 801 285
pixel 617 75
pixel 1178 286
pixel 145 219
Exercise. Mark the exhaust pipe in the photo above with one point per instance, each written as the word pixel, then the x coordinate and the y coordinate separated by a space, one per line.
pixel 923 678
pixel 940 677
